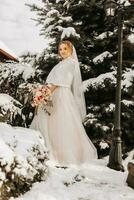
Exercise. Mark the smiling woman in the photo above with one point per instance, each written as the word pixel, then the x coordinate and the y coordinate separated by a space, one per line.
pixel 65 49
pixel 18 30
pixel 67 145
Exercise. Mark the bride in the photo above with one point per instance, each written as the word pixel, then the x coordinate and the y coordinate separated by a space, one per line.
pixel 63 131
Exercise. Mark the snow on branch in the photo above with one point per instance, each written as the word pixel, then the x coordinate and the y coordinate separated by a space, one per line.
pixel 127 102
pixel 131 38
pixel 101 57
pixel 67 32
pixel 68 18
pixel 53 12
pixel 95 82
pixel 15 69
pixel 128 77
pixel 7 101
pixel 104 35
pixel 9 107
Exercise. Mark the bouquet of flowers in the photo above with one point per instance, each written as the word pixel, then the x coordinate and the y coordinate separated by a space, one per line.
pixel 42 95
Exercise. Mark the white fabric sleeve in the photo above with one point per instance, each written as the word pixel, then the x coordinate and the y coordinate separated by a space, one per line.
pixel 62 74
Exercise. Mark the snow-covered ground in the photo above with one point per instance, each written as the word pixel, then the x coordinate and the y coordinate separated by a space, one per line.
pixel 93 182
pixel 88 182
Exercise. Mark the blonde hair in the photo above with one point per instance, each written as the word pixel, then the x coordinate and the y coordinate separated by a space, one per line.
pixel 68 43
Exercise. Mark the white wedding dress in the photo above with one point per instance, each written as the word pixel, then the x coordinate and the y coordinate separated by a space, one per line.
pixel 63 131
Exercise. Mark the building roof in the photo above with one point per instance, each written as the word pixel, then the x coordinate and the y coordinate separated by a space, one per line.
pixel 6 52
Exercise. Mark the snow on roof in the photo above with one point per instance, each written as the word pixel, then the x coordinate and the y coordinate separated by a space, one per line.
pixel 7 52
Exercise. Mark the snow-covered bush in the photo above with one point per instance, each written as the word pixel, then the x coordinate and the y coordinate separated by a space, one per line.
pixel 23 159
pixel 9 108
pixel 15 107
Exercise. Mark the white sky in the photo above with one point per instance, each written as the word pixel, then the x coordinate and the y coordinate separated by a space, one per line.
pixel 17 30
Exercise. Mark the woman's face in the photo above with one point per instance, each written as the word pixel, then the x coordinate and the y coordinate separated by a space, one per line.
pixel 64 51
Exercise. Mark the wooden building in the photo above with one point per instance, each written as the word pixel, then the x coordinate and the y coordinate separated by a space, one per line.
pixel 6 54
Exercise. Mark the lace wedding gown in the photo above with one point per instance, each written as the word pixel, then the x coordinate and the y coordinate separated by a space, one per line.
pixel 63 131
